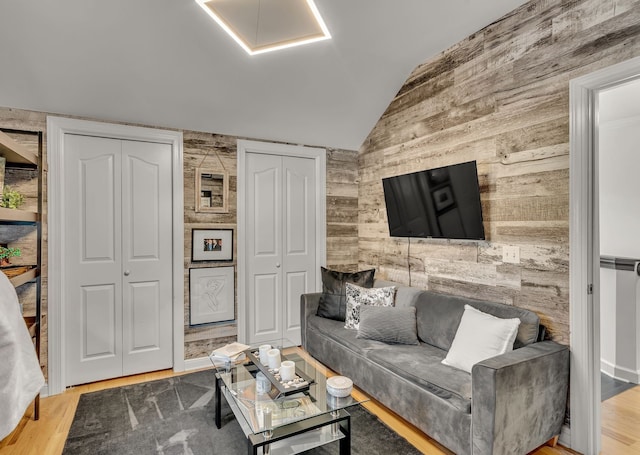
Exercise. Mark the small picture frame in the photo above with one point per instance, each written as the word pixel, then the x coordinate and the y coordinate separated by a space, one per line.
pixel 211 245
pixel 211 295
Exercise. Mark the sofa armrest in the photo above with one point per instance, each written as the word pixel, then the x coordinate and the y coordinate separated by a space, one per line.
pixel 308 306
pixel 519 398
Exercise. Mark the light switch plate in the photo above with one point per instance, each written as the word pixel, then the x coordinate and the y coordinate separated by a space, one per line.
pixel 511 254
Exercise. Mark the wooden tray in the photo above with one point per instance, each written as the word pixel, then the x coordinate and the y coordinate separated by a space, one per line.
pixel 282 389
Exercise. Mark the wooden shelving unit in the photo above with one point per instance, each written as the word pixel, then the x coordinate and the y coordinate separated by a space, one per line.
pixel 11 215
pixel 15 153
pixel 18 156
pixel 25 277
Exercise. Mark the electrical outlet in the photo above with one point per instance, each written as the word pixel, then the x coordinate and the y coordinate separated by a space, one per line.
pixel 511 254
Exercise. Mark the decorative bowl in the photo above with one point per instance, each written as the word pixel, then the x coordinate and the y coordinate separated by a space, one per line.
pixel 339 386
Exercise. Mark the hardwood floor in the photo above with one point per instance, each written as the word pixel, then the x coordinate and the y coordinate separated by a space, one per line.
pixel 621 423
pixel 620 416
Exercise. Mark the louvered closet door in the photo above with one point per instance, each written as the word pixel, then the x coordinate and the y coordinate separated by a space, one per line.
pixel 118 257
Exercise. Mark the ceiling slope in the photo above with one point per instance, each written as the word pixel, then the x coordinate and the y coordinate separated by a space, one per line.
pixel 166 63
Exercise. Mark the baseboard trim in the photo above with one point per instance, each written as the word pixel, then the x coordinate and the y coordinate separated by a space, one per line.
pixel 189 365
pixel 197 364
pixel 565 436
pixel 619 373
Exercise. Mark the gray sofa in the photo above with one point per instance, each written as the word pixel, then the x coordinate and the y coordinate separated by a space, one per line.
pixel 509 404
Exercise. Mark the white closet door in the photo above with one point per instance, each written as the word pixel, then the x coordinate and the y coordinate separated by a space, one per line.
pixel 299 240
pixel 93 248
pixel 146 258
pixel 264 246
pixel 280 243
pixel 119 284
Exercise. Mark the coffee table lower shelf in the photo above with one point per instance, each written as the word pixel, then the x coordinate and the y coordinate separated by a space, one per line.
pixel 295 437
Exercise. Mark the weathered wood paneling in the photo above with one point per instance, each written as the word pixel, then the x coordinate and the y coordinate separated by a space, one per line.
pixel 218 152
pixel 342 210
pixel 210 151
pixel 500 97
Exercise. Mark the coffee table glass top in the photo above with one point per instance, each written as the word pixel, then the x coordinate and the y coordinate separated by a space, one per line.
pixel 240 384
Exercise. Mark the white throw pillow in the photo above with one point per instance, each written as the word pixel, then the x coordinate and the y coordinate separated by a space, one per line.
pixel 480 336
pixel 357 296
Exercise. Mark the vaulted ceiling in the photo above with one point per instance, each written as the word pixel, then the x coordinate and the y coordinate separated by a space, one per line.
pixel 166 63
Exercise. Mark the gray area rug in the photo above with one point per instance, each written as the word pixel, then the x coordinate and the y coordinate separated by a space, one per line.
pixel 176 416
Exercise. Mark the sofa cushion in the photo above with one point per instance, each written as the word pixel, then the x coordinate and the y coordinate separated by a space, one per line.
pixel 358 296
pixel 422 365
pixel 388 324
pixel 480 336
pixel 405 295
pixel 438 316
pixel 348 338
pixel 333 299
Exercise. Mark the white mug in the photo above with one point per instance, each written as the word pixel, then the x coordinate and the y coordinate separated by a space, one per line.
pixel 287 370
pixel 264 358
pixel 274 358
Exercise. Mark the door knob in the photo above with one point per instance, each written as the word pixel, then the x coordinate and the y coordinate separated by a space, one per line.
pixel 277 265
pixel 126 273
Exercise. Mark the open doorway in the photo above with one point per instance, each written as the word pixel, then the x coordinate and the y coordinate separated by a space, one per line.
pixel 585 285
pixel 618 160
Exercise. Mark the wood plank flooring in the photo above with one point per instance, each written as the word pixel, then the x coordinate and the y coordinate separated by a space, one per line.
pixel 620 416
pixel 621 423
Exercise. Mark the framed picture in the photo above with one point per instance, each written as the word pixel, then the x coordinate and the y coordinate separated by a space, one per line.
pixel 211 245
pixel 211 295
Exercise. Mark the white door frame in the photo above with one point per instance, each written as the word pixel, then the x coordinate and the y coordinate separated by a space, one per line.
pixel 320 157
pixel 57 127
pixel 584 262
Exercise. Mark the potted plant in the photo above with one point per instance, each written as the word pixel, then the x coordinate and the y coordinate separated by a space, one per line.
pixel 6 253
pixel 11 199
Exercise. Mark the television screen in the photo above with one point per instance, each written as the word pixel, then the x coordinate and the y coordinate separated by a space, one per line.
pixel 437 203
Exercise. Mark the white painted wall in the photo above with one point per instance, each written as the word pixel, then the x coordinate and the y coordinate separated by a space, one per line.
pixel 619 189
pixel 607 320
pixel 619 171
pixel 619 320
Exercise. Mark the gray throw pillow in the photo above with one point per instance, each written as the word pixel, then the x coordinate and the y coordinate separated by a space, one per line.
pixel 357 296
pixel 333 301
pixel 388 324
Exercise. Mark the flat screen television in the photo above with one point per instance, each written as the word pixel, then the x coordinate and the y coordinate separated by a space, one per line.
pixel 435 203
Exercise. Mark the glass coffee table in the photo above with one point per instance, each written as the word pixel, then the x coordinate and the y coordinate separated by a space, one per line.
pixel 283 422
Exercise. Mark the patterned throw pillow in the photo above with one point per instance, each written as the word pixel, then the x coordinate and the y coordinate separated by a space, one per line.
pixel 357 296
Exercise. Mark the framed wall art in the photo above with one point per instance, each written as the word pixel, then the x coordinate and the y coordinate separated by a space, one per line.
pixel 211 245
pixel 211 295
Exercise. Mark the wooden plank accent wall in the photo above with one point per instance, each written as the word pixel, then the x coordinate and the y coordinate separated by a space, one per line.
pixel 500 97
pixel 342 210
pixel 342 217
